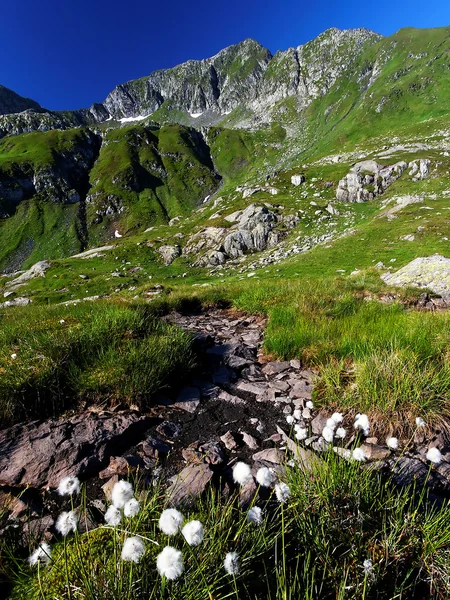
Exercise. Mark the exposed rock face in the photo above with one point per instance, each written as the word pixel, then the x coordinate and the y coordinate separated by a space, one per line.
pixel 432 272
pixel 169 253
pixel 37 270
pixel 368 179
pixel 40 454
pixel 10 102
pixel 253 231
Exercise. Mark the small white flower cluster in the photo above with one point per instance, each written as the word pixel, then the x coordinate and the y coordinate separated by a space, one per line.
pixel 122 502
pixel 296 419
pixel 362 424
pixel 68 486
pixel 331 429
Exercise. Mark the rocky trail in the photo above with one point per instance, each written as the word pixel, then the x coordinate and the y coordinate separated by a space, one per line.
pixel 235 407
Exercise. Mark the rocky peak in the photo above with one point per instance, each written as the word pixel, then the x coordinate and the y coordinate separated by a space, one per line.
pixel 10 102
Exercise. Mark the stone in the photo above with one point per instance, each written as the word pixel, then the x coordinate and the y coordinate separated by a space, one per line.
pixel 169 253
pixel 272 455
pixel 318 423
pixel 297 179
pixel 154 448
pixel 250 441
pixel 432 272
pixel 108 487
pixel 368 179
pixel 19 301
pixel 273 368
pixel 375 452
pixel 37 270
pixel 247 493
pixel 40 454
pixel 212 453
pixel 257 389
pixel 189 484
pixel 229 441
pixel 169 429
pixel 188 399
pixel 230 398
pixel 301 389
pixel 304 458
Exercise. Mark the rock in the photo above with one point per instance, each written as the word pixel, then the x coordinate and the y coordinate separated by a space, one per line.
pixel 297 179
pixel 188 399
pixel 249 440
pixel 318 423
pixel 108 487
pixel 304 458
pixel 301 389
pixel 273 368
pixel 169 429
pixel 121 465
pixel 332 209
pixel 272 455
pixel 375 452
pixel 212 453
pixel 229 441
pixel 432 272
pixel 19 301
pixel 257 389
pixel 169 253
pixel 38 529
pixel 154 448
pixel 230 398
pixel 189 484
pixel 368 179
pixel 37 270
pixel 41 454
pixel 247 493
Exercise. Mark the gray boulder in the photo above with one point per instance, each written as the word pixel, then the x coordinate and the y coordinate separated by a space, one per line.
pixel 432 272
pixel 368 179
pixel 169 253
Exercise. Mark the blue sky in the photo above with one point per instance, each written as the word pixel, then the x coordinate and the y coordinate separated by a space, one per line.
pixel 67 54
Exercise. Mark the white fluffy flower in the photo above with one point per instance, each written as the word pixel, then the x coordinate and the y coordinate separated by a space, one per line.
pixel 255 515
pixel 330 424
pixel 282 492
pixel 290 419
pixel 231 563
pixel 170 563
pixel 337 418
pixel 309 404
pixel 66 523
pixel 241 473
pixel 133 549
pixel 121 493
pixel 170 521
pixel 297 414
pixel 358 454
pixel 265 477
pixel 131 508
pixel 434 456
pixel 392 443
pixel 368 566
pixel 340 433
pixel 301 433
pixel 41 554
pixel 420 422
pixel 113 516
pixel 69 486
pixel 193 533
pixel 362 424
pixel 328 434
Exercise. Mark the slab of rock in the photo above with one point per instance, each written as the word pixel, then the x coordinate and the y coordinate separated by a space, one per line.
pixel 272 455
pixel 40 454
pixel 37 270
pixel 169 253
pixel 375 452
pixel 432 272
pixel 250 441
pixel 273 368
pixel 247 493
pixel 189 484
pixel 19 301
pixel 188 399
pixel 229 441
pixel 305 458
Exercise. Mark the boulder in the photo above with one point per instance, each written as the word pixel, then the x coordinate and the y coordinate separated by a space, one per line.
pixel 297 179
pixel 432 272
pixel 189 484
pixel 368 179
pixel 37 270
pixel 169 253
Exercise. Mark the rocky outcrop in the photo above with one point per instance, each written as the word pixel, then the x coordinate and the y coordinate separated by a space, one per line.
pixel 368 179
pixel 432 272
pixel 169 253
pixel 10 102
pixel 37 270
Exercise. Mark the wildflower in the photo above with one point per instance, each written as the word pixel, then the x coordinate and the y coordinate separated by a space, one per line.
pixel 231 563
pixel 297 414
pixel 131 508
pixel 420 422
pixel 170 563
pixel 362 424
pixel 368 567
pixel 255 515
pixel 62 321
pixel 337 418
pixel 358 454
pixel 241 473
pixel 301 433
pixel 66 522
pixel 434 456
pixel 282 492
pixel 113 516
pixel 69 486
pixel 289 419
pixel 265 477
pixel 392 443
pixel 193 533
pixel 41 554
pixel 309 404
pixel 133 549
pixel 328 434
pixel 121 493
pixel 340 433
pixel 330 424
pixel 14 356
pixel 170 521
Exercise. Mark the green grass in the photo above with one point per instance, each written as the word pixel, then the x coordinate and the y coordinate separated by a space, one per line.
pixel 103 350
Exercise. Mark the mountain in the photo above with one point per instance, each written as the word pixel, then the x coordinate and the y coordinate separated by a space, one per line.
pixel 10 102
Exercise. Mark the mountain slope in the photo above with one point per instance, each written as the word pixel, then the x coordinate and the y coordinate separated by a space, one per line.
pixel 10 102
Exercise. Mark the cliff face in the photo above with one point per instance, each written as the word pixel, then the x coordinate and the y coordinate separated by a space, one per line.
pixel 10 102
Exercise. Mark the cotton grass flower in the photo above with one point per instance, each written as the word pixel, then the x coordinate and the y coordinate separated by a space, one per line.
pixel 113 516
pixel 170 521
pixel 337 418
pixel 301 433
pixel 170 563
pixel 358 454
pixel 66 523
pixel 231 563
pixel 69 486
pixel 340 433
pixel 131 508
pixel 434 456
pixel 133 549
pixel 330 424
pixel 282 492
pixel 121 493
pixel 309 404
pixel 255 515
pixel 241 473
pixel 42 554
pixel 362 424
pixel 265 477
pixel 368 567
pixel 290 419
pixel 392 443
pixel 328 434
pixel 193 533
pixel 420 422
pixel 297 414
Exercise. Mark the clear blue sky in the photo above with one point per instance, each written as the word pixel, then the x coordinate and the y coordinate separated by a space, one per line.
pixel 66 54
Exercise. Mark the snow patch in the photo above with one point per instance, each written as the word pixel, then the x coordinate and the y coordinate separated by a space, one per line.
pixel 195 115
pixel 131 119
